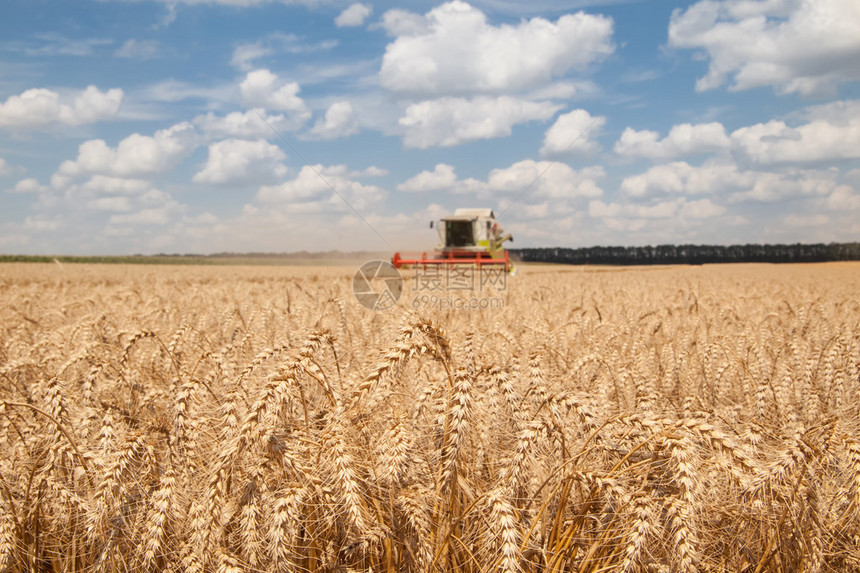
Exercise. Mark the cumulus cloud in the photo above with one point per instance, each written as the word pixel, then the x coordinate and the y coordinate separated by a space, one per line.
pixel 245 54
pixel 573 131
pixel 546 179
pixel 116 185
pixel 155 216
pixel 451 121
pixel 263 89
pixel 103 206
pixel 536 178
pixel 628 216
pixel 41 224
pixel 399 22
pixel 372 171
pixel 833 132
pixel 453 50
pixel 42 107
pixel 134 156
pixel 339 121
pixel 254 123
pixel 442 178
pixel 683 139
pixel 769 187
pixel 681 177
pixel 845 199
pixel 239 161
pixel 796 46
pixel 725 178
pixel 319 187
pixel 28 185
pixel 821 133
pixel 660 210
pixel 701 209
pixel 152 208
pixel 812 220
pixel 115 204
pixel 354 15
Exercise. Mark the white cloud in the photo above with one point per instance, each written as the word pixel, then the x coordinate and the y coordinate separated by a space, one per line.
pixel 814 220
pixel 103 207
pixel 659 210
pixel 354 15
pixel 116 185
pixel 245 54
pixel 253 123
pixel 564 90
pixel 601 210
pixel 4 167
pixel 832 133
pixel 41 225
pixel 318 187
pixel 770 187
pixel 546 179
pixel 683 139
pixel 202 219
pixel 339 121
pixel 41 107
pixel 451 121
pixel 157 216
pixel 153 208
pixel 701 209
pixel 29 185
pixel 721 177
pixel 399 22
pixel 114 204
pixel 9 241
pixel 372 171
pixel 523 179
pixel 681 177
pixel 454 50
pixel 134 156
pixel 137 49
pixel 262 88
pixel 655 216
pixel 442 178
pixel 844 199
pixel 239 161
pixel 573 131
pixel 796 46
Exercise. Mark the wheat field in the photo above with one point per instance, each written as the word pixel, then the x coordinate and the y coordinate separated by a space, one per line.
pixel 259 419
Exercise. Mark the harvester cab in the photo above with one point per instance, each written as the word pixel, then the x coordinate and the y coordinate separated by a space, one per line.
pixel 468 237
pixel 471 230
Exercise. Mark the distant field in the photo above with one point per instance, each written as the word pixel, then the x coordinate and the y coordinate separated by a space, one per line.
pixel 297 259
pixel 258 418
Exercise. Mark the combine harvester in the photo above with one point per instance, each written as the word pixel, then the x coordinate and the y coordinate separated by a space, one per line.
pixel 468 237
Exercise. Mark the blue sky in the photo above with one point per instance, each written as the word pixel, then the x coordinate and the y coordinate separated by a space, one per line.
pixel 257 125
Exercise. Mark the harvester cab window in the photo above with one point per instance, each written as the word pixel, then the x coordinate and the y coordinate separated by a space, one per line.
pixel 459 233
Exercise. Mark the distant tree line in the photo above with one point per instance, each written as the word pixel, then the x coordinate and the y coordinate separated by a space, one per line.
pixel 692 254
